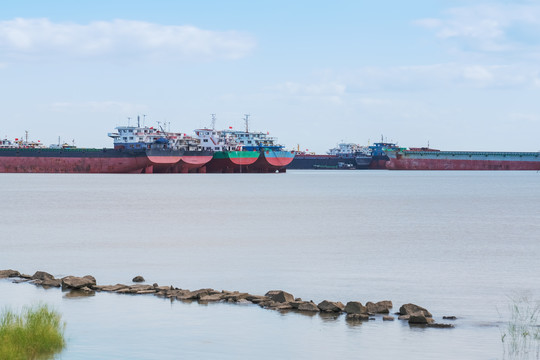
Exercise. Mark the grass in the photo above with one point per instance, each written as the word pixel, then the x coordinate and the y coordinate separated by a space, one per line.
pixel 36 333
pixel 521 335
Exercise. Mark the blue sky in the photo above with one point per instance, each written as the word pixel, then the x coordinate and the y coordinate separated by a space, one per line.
pixel 461 75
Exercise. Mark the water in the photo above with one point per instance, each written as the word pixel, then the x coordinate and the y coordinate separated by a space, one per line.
pixel 457 243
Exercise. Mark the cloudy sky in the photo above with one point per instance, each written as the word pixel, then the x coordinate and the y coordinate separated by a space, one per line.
pixel 461 75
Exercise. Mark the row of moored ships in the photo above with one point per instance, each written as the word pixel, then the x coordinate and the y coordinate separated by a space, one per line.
pixel 153 150
pixel 390 156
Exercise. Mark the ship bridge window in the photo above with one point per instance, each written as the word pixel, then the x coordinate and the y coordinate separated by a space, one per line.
pixel 205 140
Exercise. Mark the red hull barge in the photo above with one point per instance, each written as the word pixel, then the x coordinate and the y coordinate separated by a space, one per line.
pixel 272 161
pixel 93 161
pixel 463 160
pixel 193 161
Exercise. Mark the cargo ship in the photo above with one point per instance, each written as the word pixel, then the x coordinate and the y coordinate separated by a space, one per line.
pixel 433 159
pixel 33 157
pixel 343 156
pixel 243 151
pixel 167 152
pixel 379 154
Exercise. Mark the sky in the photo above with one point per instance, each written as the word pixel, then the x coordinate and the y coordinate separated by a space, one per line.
pixel 457 75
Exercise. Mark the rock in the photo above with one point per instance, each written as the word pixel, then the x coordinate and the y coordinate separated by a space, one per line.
pixel 162 288
pixel 357 317
pixel 355 307
pixel 113 287
pixel 86 289
pixel 280 296
pixel 268 303
pixel 449 317
pixel 331 306
pixel 404 317
pixel 244 302
pixel 138 278
pixel 280 306
pixel 381 307
pixel 440 326
pixel 235 296
pixel 74 282
pixel 257 298
pixel 210 298
pixel 42 275
pixel 295 304
pixel 388 318
pixel 420 318
pixel 142 292
pixel 308 306
pixel 51 282
pixel 9 273
pixel 409 309
pixel 140 287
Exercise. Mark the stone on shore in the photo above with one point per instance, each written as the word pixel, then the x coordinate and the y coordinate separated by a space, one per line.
pixel 138 278
pixel 75 282
pixel 449 317
pixel 420 318
pixel 308 306
pixel 388 318
pixel 112 288
pixel 409 309
pixel 256 299
pixel 331 306
pixel 9 273
pixel 211 298
pixel 404 317
pixel 234 296
pixel 381 307
pixel 42 275
pixel 355 307
pixel 49 282
pixel 280 296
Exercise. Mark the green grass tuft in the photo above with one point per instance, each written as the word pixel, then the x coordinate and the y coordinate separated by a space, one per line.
pixel 37 333
pixel 521 335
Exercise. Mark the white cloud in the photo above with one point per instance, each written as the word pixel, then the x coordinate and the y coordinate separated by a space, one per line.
pixel 38 38
pixel 489 27
pixel 362 83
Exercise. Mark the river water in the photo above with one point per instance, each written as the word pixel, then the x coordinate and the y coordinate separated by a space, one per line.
pixel 457 243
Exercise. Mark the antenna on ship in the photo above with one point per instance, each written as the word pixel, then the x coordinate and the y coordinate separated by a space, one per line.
pixel 213 121
pixel 26 135
pixel 143 120
pixel 138 121
pixel 246 119
pixel 129 119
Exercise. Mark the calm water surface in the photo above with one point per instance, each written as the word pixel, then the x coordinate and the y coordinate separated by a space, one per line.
pixel 457 243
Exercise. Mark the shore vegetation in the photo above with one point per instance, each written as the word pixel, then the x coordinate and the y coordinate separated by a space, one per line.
pixel 36 333
pixel 521 334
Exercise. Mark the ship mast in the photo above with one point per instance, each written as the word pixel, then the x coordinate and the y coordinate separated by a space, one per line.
pixel 213 121
pixel 246 120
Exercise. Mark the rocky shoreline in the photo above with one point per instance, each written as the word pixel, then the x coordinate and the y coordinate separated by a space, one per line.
pixel 273 300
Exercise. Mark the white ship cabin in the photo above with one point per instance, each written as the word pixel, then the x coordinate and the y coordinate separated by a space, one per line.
pixel 7 144
pixel 344 149
pixel 215 140
pixel 135 137
pixel 250 139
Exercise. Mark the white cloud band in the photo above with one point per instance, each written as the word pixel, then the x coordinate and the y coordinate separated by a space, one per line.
pixel 28 38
